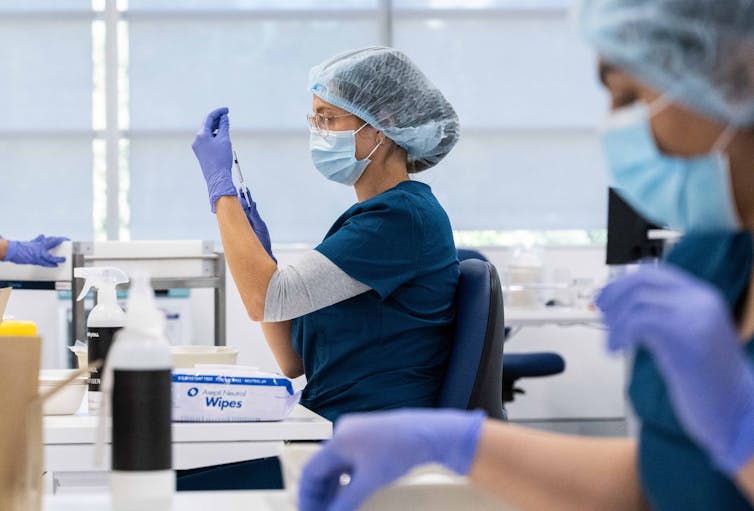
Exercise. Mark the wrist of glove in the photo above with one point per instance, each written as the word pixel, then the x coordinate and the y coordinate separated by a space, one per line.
pixel 454 441
pixel 732 446
pixel 219 184
pixel 11 253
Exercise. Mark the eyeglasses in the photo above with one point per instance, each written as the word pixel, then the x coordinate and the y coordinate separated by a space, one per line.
pixel 321 122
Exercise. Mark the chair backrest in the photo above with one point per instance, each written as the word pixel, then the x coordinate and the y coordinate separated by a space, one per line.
pixel 470 253
pixel 475 370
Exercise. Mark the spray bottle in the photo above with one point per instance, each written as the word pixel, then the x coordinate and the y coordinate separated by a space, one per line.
pixel 139 373
pixel 104 320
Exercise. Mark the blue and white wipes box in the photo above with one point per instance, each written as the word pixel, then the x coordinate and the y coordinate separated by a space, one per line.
pixel 231 394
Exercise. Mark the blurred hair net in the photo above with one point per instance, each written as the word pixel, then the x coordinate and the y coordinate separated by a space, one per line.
pixel 698 52
pixel 384 87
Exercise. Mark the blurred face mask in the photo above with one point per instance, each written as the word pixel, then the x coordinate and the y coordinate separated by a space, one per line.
pixel 685 194
pixel 334 155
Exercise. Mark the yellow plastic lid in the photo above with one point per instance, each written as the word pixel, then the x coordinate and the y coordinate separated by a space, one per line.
pixel 18 328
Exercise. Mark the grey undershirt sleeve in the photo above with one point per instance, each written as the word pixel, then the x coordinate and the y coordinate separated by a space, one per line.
pixel 313 283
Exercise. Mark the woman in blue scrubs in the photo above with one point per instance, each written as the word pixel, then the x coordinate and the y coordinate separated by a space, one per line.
pixel 367 315
pixel 680 146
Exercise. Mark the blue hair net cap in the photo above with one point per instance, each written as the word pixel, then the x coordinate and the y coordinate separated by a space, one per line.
pixel 698 52
pixel 384 87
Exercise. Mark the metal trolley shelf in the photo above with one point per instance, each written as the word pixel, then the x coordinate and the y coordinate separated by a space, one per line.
pixel 211 275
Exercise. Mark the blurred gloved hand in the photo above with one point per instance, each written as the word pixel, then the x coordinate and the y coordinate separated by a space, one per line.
pixel 36 251
pixel 376 449
pixel 686 326
pixel 214 151
pixel 257 224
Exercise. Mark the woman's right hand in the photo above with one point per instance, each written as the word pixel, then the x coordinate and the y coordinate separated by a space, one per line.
pixel 214 151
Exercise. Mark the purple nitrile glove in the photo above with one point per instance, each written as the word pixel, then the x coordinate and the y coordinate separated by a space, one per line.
pixel 375 449
pixel 214 151
pixel 36 251
pixel 686 326
pixel 257 224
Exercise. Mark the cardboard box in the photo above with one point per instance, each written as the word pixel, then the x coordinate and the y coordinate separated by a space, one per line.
pixel 4 297
pixel 21 466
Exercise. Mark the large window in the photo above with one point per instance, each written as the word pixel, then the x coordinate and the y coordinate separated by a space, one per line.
pixel 101 101
pixel 183 63
pixel 46 133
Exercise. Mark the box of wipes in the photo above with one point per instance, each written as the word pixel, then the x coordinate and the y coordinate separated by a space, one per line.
pixel 220 393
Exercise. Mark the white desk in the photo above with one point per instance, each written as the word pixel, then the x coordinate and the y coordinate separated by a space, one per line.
pixel 519 316
pixel 438 495
pixel 69 441
pixel 183 501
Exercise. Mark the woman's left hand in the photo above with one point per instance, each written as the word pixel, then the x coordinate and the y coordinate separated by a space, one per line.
pixel 214 151
pixel 686 326
pixel 255 220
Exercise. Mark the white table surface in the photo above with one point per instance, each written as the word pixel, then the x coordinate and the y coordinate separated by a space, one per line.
pixel 69 440
pixel 520 316
pixel 184 501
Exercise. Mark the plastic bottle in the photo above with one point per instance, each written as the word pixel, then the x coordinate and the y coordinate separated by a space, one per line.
pixel 104 320
pixel 524 277
pixel 141 363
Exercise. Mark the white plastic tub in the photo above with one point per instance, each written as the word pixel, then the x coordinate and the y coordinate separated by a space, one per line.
pixel 68 400
pixel 184 356
pixel 189 356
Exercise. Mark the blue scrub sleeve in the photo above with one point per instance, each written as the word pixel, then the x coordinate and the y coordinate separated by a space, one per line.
pixel 379 247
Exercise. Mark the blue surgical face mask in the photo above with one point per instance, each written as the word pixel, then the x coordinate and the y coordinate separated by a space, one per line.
pixel 334 155
pixel 686 194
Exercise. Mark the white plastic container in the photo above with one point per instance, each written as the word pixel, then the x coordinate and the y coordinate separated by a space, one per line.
pixel 229 393
pixel 183 356
pixel 105 319
pixel 189 356
pixel 139 374
pixel 523 277
pixel 68 399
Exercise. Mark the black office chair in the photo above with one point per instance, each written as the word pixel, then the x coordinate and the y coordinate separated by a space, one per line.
pixel 474 376
pixel 519 365
pixel 528 365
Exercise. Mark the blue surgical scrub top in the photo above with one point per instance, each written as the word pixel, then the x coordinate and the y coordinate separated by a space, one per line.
pixel 675 474
pixel 389 347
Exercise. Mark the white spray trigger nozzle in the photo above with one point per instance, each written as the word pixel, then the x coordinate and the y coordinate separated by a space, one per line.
pixel 99 276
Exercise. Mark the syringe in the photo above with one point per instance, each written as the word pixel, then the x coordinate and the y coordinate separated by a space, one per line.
pixel 244 188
